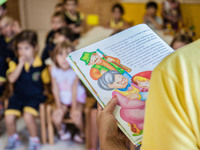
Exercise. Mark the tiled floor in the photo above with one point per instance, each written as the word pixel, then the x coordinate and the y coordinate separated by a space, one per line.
pixel 69 145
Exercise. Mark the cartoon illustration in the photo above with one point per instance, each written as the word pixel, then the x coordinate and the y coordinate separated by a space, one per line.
pixel 129 97
pixel 101 65
pixel 142 80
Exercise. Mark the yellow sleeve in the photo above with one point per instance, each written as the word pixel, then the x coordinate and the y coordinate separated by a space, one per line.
pixel 45 76
pixel 168 125
pixel 2 79
pixel 11 67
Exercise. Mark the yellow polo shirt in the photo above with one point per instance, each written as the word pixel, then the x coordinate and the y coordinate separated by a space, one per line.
pixel 172 115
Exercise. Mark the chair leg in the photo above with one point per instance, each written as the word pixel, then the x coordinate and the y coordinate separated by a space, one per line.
pixel 50 125
pixel 43 124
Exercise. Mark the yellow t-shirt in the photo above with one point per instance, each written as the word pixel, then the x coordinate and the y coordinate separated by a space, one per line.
pixel 172 113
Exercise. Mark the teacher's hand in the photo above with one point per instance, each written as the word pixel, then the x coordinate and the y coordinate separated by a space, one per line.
pixel 109 134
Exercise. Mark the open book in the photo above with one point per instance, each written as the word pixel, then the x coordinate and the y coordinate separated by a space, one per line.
pixel 121 65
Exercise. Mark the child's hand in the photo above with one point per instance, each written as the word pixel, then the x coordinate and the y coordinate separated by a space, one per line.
pixel 22 60
pixel 58 112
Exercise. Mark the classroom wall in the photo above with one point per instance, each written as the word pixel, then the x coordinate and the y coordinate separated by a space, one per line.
pixel 191 13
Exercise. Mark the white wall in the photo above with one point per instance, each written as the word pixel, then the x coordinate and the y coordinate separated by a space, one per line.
pixel 36 15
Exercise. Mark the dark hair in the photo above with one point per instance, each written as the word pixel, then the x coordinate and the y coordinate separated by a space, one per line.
pixel 118 5
pixel 4 6
pixel 152 5
pixel 59 14
pixel 59 47
pixel 185 38
pixel 76 1
pixel 67 32
pixel 59 5
pixel 29 36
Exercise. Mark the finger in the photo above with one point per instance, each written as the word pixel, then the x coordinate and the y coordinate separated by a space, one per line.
pixel 99 108
pixel 111 105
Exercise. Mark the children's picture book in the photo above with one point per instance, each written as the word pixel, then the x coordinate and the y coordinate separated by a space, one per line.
pixel 121 65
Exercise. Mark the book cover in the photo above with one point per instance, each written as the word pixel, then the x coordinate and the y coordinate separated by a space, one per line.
pixel 121 65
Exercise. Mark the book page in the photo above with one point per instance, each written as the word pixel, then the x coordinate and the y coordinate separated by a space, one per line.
pixel 121 65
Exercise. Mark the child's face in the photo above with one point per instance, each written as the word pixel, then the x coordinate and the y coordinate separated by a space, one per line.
pixel 61 58
pixel 144 84
pixel 95 59
pixel 60 38
pixel 119 83
pixel 25 50
pixel 178 44
pixel 151 11
pixel 117 14
pixel 71 6
pixel 6 28
pixel 57 22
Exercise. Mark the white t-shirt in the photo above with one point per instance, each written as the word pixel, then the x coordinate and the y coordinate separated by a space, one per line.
pixel 65 81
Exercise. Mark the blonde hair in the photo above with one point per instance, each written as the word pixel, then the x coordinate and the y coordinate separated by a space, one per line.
pixel 141 79
pixel 8 20
pixel 60 47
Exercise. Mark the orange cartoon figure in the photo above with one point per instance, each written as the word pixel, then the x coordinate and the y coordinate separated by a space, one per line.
pixel 100 65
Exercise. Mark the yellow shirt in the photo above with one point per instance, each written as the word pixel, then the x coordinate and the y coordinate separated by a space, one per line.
pixel 172 115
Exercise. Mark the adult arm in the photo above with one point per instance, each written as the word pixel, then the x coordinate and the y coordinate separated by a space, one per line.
pixel 168 121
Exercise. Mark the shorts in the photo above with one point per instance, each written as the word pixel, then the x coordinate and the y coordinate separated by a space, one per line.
pixel 19 103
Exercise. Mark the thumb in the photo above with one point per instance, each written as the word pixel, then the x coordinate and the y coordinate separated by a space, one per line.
pixel 111 105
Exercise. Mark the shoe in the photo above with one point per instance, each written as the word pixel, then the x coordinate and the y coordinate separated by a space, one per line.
pixel 78 139
pixel 66 136
pixel 33 145
pixel 13 143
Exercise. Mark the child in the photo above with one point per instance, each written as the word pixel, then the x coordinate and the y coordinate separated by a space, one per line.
pixel 8 30
pixel 60 35
pixel 27 73
pixel 180 41
pixel 67 91
pixel 150 18
pixel 117 23
pixel 57 21
pixel 73 18
pixel 171 14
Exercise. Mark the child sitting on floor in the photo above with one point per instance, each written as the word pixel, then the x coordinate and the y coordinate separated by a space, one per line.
pixel 151 18
pixel 28 74
pixel 181 40
pixel 68 92
pixel 117 23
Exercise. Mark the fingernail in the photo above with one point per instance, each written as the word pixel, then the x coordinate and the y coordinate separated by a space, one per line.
pixel 113 96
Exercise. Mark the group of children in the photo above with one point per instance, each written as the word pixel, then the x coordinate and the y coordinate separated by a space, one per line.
pixel 25 73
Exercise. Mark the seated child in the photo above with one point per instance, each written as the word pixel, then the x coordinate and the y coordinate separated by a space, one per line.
pixel 9 28
pixel 150 18
pixel 181 40
pixel 57 21
pixel 171 14
pixel 60 35
pixel 73 18
pixel 27 73
pixel 117 23
pixel 68 93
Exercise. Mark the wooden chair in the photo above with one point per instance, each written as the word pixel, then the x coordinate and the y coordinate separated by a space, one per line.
pixel 50 128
